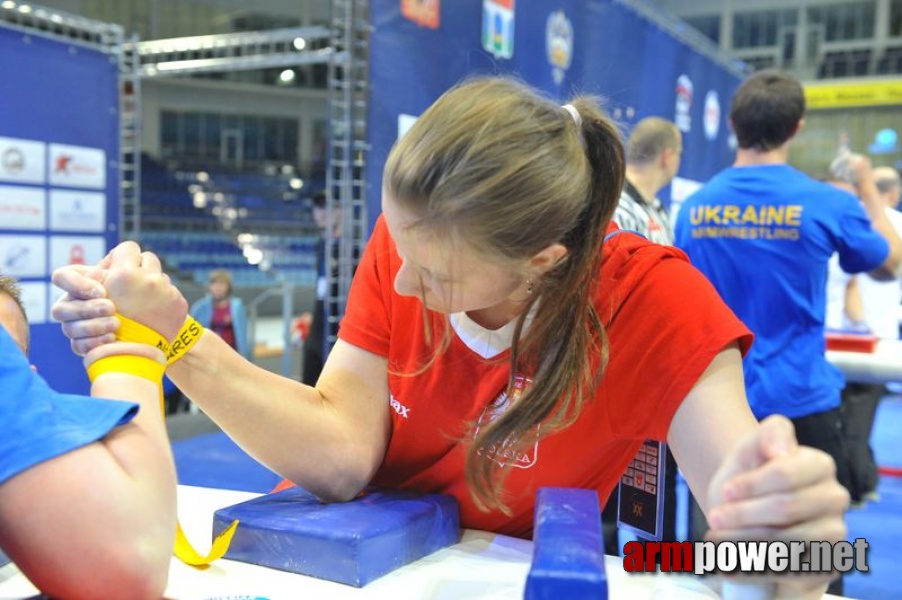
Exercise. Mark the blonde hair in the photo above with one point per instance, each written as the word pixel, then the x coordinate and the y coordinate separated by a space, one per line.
pixel 511 172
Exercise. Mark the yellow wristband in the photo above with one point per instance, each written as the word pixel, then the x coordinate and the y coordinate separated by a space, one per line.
pixel 132 331
pixel 139 366
pixel 185 340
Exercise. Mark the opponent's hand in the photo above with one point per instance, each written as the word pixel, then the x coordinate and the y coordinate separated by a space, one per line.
pixel 84 310
pixel 770 488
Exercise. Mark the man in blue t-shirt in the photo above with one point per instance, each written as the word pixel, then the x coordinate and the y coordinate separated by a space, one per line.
pixel 87 485
pixel 763 232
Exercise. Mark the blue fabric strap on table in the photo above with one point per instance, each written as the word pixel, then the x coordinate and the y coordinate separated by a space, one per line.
pixel 568 547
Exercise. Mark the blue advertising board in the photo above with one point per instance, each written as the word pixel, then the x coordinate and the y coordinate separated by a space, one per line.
pixel 59 178
pixel 420 48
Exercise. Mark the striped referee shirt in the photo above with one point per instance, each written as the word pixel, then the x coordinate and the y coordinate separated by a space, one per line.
pixel 648 218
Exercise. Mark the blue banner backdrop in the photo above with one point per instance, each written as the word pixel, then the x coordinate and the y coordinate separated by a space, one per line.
pixel 564 47
pixel 59 178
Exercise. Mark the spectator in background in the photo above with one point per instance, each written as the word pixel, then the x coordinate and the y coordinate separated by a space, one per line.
pixel 87 485
pixel 224 313
pixel 315 344
pixel 889 185
pixel 763 232
pixel 860 303
pixel 653 153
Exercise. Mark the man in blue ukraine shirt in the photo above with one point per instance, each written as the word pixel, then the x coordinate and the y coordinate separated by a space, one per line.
pixel 762 232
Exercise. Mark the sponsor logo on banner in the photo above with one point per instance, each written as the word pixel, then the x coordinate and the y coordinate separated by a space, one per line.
pixel 22 208
pixel 519 456
pixel 422 12
pixel 35 300
pixel 23 161
pixel 712 115
pixel 75 250
pixel 77 211
pixel 23 255
pixel 559 44
pixel 683 103
pixel 498 27
pixel 77 166
pixel 405 122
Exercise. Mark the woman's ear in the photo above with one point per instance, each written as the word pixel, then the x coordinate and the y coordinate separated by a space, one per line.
pixel 547 258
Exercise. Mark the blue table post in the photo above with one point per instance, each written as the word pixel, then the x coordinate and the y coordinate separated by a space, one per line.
pixel 568 547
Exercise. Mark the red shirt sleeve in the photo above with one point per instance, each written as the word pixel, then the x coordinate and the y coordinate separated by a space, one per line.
pixel 665 324
pixel 367 320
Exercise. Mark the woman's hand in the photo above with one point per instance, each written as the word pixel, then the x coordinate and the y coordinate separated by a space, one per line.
pixel 771 489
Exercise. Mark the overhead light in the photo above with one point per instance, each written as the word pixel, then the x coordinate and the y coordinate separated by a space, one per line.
pixel 286 76
pixel 24 9
pixel 203 176
pixel 299 43
pixel 296 183
pixel 8 4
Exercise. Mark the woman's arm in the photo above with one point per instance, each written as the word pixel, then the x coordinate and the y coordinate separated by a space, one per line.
pixel 99 521
pixel 329 439
pixel 753 480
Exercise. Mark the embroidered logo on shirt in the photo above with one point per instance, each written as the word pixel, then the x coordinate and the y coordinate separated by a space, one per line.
pixel 403 411
pixel 506 453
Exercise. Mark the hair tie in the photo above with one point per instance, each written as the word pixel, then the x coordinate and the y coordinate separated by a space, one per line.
pixel 575 114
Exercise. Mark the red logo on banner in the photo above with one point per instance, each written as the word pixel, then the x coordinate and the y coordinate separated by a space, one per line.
pixel 62 163
pixel 77 255
pixel 422 12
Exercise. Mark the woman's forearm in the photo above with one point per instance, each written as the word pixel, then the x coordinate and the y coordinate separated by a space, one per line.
pixel 322 439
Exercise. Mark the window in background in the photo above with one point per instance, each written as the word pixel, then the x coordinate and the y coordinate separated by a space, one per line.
pixel 707 25
pixel 895 18
pixel 238 139
pixel 761 28
pixel 846 21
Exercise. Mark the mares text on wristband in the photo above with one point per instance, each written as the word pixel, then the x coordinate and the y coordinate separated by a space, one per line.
pixel 132 331
pixel 185 340
pixel 139 366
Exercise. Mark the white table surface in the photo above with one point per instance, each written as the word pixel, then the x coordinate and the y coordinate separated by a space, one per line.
pixel 884 365
pixel 481 566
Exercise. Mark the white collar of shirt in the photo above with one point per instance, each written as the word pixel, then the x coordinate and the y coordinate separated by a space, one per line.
pixel 487 343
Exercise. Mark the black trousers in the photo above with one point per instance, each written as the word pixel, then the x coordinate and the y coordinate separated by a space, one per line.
pixel 824 431
pixel 859 408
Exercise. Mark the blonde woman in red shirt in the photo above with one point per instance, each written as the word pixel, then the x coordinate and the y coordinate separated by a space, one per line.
pixel 500 336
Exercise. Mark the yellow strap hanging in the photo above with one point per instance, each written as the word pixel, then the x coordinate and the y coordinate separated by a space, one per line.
pixel 132 331
pixel 186 553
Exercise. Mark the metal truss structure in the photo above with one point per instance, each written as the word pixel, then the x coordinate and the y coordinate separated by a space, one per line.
pixel 346 177
pixel 233 51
